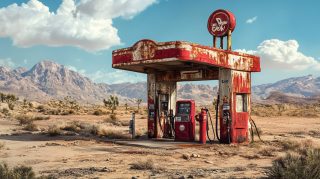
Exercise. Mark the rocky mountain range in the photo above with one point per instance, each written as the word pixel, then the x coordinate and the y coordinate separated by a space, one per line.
pixel 48 80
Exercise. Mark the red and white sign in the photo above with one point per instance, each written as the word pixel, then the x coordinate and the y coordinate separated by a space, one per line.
pixel 220 22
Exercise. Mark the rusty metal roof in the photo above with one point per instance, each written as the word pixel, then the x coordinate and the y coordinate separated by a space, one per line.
pixel 147 56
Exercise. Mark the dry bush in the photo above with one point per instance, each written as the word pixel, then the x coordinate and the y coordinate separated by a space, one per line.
pixel 40 118
pixel 19 172
pixel 296 166
pixel 267 152
pixel 24 119
pixel 301 147
pixel 98 112
pixel 290 145
pixel 113 134
pixel 74 126
pixel 31 127
pixel 143 165
pixel 27 119
pixel 54 130
pixel 2 145
pixel 87 129
pixel 41 108
pixel 112 119
pixel 5 111
pixel 287 109
pixel 125 122
pixel 314 133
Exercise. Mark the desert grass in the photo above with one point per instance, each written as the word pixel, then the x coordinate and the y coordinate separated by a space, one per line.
pixel 143 165
pixel 2 145
pixel 113 134
pixel 28 119
pixel 296 166
pixel 54 130
pixel 19 172
pixel 114 120
pixel 31 127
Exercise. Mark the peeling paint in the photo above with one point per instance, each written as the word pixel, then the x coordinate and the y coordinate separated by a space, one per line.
pixel 148 51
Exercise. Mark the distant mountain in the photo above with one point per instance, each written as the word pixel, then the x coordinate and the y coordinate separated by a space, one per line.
pixel 203 94
pixel 48 80
pixel 300 87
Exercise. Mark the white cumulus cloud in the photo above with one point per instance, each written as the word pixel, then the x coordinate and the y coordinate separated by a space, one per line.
pixel 86 24
pixel 280 54
pixel 251 20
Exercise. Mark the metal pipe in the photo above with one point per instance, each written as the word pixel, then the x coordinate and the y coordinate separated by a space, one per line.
pixel 214 41
pixel 221 42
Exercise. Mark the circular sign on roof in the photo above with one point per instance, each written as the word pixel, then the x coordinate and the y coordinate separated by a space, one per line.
pixel 220 22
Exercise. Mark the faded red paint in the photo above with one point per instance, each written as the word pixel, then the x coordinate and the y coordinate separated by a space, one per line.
pixel 241 82
pixel 174 76
pixel 184 52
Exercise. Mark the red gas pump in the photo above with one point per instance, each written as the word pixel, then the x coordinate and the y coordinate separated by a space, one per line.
pixel 184 126
pixel 203 119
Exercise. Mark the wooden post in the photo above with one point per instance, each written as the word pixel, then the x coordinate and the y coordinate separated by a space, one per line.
pixel 214 41
pixel 229 40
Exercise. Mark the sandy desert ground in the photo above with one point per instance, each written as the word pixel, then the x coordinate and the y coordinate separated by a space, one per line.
pixel 74 155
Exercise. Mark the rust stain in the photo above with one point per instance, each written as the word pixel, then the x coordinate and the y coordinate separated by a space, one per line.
pixel 149 52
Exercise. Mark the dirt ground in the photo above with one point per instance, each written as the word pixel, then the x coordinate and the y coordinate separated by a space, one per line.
pixel 78 156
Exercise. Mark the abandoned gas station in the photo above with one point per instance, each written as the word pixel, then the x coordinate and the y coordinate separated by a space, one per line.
pixel 167 63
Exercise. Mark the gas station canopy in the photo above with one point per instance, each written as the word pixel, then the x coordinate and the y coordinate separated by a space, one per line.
pixel 147 56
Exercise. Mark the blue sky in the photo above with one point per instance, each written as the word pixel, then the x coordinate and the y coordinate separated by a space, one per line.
pixel 284 33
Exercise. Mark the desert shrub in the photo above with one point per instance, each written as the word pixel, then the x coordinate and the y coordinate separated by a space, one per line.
pixel 68 112
pixel 98 112
pixel 11 106
pixel 19 172
pixel 143 165
pixel 89 129
pixel 290 145
pixel 40 118
pixel 24 119
pixel 5 111
pixel 113 120
pixel 31 127
pixel 74 126
pixel 24 172
pixel 27 119
pixel 296 166
pixel 2 145
pixel 125 123
pixel 268 152
pixel 54 130
pixel 41 108
pixel 53 112
pixel 113 134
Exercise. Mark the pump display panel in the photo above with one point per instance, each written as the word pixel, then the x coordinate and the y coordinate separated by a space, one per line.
pixel 183 113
